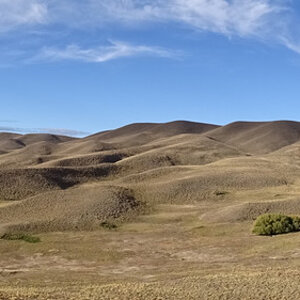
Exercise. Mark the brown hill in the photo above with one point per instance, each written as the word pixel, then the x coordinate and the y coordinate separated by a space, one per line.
pixel 177 162
pixel 142 133
pixel 258 137
pixel 250 211
pixel 11 141
pixel 8 135
pixel 76 209
pixel 29 139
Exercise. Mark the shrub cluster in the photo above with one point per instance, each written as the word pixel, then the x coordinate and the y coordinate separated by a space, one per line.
pixel 21 236
pixel 272 224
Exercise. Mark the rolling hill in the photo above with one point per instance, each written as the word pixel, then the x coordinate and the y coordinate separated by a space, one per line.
pixel 49 179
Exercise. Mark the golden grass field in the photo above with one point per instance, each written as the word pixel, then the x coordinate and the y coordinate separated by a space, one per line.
pixel 150 211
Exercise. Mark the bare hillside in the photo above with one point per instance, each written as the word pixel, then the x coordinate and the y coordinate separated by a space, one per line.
pixel 177 162
pixel 259 137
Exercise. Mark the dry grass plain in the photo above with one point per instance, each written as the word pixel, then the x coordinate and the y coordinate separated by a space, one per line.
pixel 181 197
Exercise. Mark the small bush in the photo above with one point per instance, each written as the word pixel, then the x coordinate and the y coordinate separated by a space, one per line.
pixel 108 225
pixel 272 224
pixel 221 193
pixel 21 236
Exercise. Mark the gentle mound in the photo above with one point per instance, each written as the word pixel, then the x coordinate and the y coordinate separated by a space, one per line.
pixel 81 208
pixel 17 184
pixel 250 211
pixel 258 137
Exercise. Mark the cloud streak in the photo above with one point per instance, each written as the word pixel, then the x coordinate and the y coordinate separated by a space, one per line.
pixel 21 12
pixel 262 19
pixel 228 17
pixel 58 131
pixel 291 44
pixel 102 54
pixel 241 17
pixel 237 17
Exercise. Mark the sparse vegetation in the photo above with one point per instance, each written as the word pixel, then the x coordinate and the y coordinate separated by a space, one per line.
pixel 108 225
pixel 221 193
pixel 272 224
pixel 21 236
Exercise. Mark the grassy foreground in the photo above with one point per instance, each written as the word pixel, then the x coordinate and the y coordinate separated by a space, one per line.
pixel 170 254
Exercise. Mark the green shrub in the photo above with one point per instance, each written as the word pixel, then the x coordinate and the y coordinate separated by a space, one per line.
pixel 21 236
pixel 272 224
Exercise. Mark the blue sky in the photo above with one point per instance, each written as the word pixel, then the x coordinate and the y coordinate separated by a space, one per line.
pixel 78 67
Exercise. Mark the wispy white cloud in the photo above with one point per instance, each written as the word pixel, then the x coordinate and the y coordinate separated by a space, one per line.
pixel 292 44
pixel 14 13
pixel 58 131
pixel 263 19
pixel 103 53
pixel 230 17
pixel 242 17
pixel 237 17
pixel 61 131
